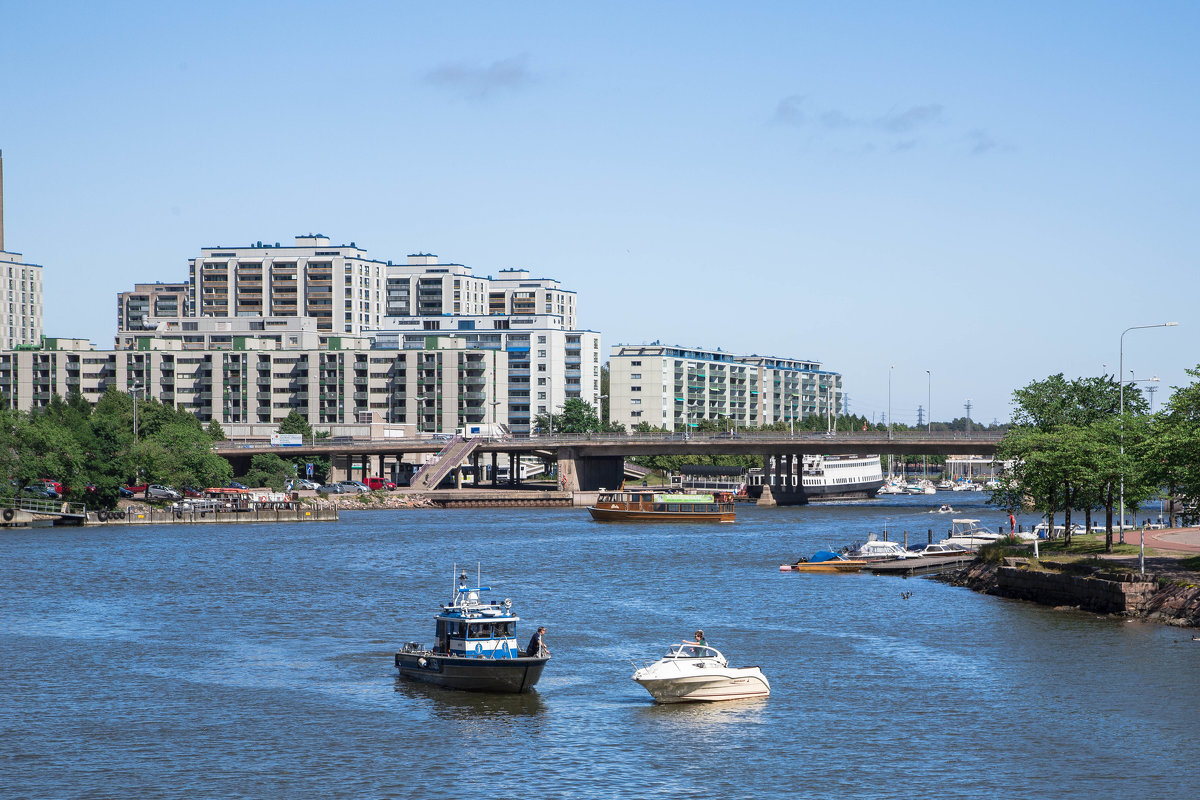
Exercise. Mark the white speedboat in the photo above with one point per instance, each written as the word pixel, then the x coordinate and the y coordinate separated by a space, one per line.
pixel 692 672
pixel 943 509
pixel 876 550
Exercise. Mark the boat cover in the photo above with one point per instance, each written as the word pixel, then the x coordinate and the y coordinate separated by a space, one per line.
pixel 823 555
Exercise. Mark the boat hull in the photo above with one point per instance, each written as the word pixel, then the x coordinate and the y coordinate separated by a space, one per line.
pixel 738 684
pixel 506 675
pixel 799 496
pixel 824 566
pixel 645 515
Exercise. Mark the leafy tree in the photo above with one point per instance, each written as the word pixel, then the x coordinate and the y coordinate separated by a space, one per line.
pixel 268 469
pixel 215 431
pixel 577 416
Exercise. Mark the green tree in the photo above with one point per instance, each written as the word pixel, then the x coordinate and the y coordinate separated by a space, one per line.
pixel 268 469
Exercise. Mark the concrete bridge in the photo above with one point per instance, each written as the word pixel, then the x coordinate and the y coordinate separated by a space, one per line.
pixel 590 461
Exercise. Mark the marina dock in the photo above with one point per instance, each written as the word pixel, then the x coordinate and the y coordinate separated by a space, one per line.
pixel 921 566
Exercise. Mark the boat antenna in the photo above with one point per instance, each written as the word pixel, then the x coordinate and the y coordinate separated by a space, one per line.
pixel 478 573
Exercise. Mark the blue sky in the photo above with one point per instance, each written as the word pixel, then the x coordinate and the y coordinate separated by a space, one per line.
pixel 989 192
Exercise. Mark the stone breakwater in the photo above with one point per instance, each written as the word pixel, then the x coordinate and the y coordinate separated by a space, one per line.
pixel 1171 601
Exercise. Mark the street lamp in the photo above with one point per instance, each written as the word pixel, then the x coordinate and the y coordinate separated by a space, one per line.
pixel 928 401
pixel 1120 374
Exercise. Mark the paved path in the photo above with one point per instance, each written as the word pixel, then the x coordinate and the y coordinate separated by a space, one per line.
pixel 1179 540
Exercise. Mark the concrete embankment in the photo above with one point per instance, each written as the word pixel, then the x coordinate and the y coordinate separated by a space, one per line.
pixel 1172 601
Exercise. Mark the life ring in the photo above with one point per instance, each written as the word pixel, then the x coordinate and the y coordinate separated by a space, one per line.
pixel 9 514
pixel 102 516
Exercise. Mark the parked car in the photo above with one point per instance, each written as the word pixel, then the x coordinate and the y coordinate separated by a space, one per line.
pixel 139 489
pixel 192 491
pixel 376 484
pixel 124 491
pixel 305 483
pixel 331 488
pixel 52 485
pixel 157 492
pixel 39 491
pixel 236 485
pixel 354 486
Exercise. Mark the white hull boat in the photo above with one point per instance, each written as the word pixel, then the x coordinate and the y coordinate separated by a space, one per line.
pixel 692 672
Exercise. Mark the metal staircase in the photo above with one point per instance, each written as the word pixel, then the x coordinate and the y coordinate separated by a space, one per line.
pixel 456 451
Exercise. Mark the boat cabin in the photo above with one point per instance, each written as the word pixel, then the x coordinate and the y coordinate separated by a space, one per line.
pixel 676 503
pixel 469 626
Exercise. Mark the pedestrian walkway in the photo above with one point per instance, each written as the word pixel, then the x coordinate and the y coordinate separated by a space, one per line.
pixel 1179 540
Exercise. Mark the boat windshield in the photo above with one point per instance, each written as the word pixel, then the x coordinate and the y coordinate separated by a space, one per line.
pixel 691 650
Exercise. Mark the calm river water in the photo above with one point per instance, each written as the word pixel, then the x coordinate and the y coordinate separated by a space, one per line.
pixel 256 661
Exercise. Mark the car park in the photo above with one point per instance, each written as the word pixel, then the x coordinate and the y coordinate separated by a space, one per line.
pixel 156 492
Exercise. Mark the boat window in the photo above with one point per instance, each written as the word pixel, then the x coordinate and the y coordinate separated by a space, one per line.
pixel 660 506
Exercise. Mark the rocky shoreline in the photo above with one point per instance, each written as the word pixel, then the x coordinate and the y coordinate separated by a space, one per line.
pixel 1169 597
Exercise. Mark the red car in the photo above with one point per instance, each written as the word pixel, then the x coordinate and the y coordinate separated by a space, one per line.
pixel 131 491
pixel 52 484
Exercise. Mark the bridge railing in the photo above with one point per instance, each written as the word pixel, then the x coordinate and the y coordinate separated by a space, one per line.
pixel 986 437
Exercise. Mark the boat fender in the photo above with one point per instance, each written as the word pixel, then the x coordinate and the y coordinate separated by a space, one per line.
pixel 421 662
pixel 102 516
pixel 9 514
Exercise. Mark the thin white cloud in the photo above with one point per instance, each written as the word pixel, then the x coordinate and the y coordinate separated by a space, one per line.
pixel 481 82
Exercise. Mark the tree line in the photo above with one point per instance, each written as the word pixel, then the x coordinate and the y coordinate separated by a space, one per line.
pixel 94 450
pixel 1073 448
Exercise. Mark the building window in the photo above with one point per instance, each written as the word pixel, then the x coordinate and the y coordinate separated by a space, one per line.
pixel 635 363
pixel 635 388
pixel 636 376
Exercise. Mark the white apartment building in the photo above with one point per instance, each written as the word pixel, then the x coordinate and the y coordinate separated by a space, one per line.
pixel 675 387
pixel 335 284
pixel 548 364
pixel 20 292
pixel 20 300
pixel 438 387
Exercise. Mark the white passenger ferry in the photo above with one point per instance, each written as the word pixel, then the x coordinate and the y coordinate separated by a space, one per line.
pixel 821 478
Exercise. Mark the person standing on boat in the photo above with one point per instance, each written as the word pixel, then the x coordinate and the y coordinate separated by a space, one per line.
pixel 537 644
pixel 700 639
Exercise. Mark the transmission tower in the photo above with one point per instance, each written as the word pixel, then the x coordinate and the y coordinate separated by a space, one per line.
pixel 920 417
pixel 967 406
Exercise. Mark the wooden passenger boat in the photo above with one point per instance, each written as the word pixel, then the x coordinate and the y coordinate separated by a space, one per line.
pixel 662 507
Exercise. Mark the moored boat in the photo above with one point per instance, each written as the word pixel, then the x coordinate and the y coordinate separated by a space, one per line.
pixel 825 561
pixel 641 506
pixel 692 672
pixel 475 647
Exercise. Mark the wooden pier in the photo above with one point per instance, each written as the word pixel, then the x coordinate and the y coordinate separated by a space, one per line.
pixel 926 565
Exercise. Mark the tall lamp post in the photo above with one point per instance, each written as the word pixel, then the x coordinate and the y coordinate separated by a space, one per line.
pixel 928 416
pixel 133 390
pixel 1121 378
pixel 890 370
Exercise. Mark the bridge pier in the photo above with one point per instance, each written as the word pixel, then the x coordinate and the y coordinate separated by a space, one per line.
pixel 578 473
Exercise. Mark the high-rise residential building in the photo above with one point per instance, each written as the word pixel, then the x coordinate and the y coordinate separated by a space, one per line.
pixel 20 292
pixel 676 387
pixel 335 284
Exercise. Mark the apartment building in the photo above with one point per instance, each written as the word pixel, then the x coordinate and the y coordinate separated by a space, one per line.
pixel 676 387
pixel 335 284
pixel 547 363
pixel 437 387
pixel 136 309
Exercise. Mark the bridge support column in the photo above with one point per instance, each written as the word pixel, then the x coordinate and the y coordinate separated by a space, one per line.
pixel 495 482
pixel 588 473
